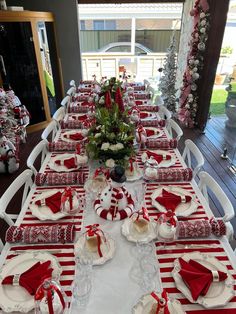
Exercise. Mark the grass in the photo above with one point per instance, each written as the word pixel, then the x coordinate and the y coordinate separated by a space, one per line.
pixel 218 99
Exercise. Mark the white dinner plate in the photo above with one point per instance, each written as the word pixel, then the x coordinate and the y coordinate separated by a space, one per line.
pixel 107 250
pixel 146 302
pixel 129 231
pixel 61 168
pixel 44 212
pixel 65 139
pixel 157 134
pixel 138 174
pixel 183 209
pixel 163 163
pixel 16 298
pixel 219 293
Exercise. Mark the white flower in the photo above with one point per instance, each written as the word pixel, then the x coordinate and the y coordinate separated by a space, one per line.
pixel 112 147
pixel 203 23
pixel 202 30
pixel 191 61
pixel 97 135
pixel 202 15
pixel 102 100
pixel 98 127
pixel 196 62
pixel 105 146
pixel 110 163
pixel 119 146
pixel 195 76
pixel 195 69
pixel 190 96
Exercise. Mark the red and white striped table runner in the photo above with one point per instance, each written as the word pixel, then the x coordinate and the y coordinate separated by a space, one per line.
pixel 170 251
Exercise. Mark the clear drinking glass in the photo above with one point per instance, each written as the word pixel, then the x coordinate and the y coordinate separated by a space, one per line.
pixel 81 290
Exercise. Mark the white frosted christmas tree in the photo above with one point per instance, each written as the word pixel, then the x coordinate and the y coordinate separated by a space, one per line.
pixel 167 81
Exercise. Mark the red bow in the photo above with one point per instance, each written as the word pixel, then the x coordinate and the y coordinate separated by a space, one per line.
pixel 68 194
pixel 101 170
pixel 94 230
pixel 169 217
pixel 143 212
pixel 141 131
pixel 49 288
pixel 161 302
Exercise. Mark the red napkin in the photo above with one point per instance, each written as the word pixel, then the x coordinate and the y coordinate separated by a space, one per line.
pixel 83 117
pixel 197 277
pixel 157 157
pixel 33 277
pixel 143 115
pixel 53 202
pixel 151 132
pixel 171 201
pixel 138 102
pixel 75 136
pixel 68 163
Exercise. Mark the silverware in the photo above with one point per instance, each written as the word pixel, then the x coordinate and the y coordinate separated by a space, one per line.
pixel 36 251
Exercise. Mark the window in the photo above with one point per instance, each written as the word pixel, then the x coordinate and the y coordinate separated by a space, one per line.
pixel 82 25
pixel 101 25
pixel 98 25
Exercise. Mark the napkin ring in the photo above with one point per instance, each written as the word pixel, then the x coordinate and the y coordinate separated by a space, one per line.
pixel 183 200
pixel 16 280
pixel 215 276
pixel 43 202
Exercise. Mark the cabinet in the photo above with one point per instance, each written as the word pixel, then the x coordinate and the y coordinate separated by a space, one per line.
pixel 29 62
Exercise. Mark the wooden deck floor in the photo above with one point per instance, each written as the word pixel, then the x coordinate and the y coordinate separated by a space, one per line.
pixel 211 144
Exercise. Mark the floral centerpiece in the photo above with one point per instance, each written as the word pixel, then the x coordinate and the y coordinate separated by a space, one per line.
pixel 111 136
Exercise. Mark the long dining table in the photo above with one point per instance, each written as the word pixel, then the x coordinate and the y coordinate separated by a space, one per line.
pixel 113 288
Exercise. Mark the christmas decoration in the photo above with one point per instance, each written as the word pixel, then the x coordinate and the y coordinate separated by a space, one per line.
pixel 167 81
pixel 188 103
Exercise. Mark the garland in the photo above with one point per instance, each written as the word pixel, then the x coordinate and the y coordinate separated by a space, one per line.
pixel 189 96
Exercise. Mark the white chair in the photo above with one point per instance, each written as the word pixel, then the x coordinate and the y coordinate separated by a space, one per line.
pixel 207 183
pixel 72 83
pixel 59 114
pixel 164 113
pixel 158 101
pixel 24 179
pixel 191 151
pixel 65 101
pixel 71 91
pixel 174 129
pixel 1 245
pixel 40 148
pixel 51 129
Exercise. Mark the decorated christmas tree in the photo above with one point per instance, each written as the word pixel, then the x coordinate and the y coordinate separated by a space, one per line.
pixel 167 81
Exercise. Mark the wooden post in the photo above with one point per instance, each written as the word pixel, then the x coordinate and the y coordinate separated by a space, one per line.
pixel 218 17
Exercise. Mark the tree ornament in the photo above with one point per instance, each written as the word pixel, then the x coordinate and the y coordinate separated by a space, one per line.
pixel 201 46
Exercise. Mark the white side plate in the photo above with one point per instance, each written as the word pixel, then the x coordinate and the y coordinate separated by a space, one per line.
pixel 16 298
pixel 133 235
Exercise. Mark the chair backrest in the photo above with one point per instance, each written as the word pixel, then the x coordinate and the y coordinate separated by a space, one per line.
pixel 51 129
pixel 59 114
pixel 71 91
pixel 158 101
pixel 174 129
pixel 207 183
pixel 191 151
pixel 40 148
pixel 24 179
pixel 65 101
pixel 72 83
pixel 164 113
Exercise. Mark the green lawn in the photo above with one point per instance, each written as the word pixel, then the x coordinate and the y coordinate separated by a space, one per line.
pixel 218 99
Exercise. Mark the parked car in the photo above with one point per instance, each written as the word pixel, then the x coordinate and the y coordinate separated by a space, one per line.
pixel 125 47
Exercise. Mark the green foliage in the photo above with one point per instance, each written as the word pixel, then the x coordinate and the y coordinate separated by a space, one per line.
pixel 226 50
pixel 218 100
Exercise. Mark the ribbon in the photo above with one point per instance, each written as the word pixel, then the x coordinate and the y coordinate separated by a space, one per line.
pixel 115 197
pixel 51 287
pixel 94 230
pixel 68 194
pixel 161 302
pixel 141 131
pixel 170 217
pixel 131 162
pixel 101 170
pixel 143 212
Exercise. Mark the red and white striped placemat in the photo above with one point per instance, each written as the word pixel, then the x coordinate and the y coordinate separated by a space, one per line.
pixel 166 254
pixel 47 169
pixel 29 219
pixel 152 211
pixel 65 256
